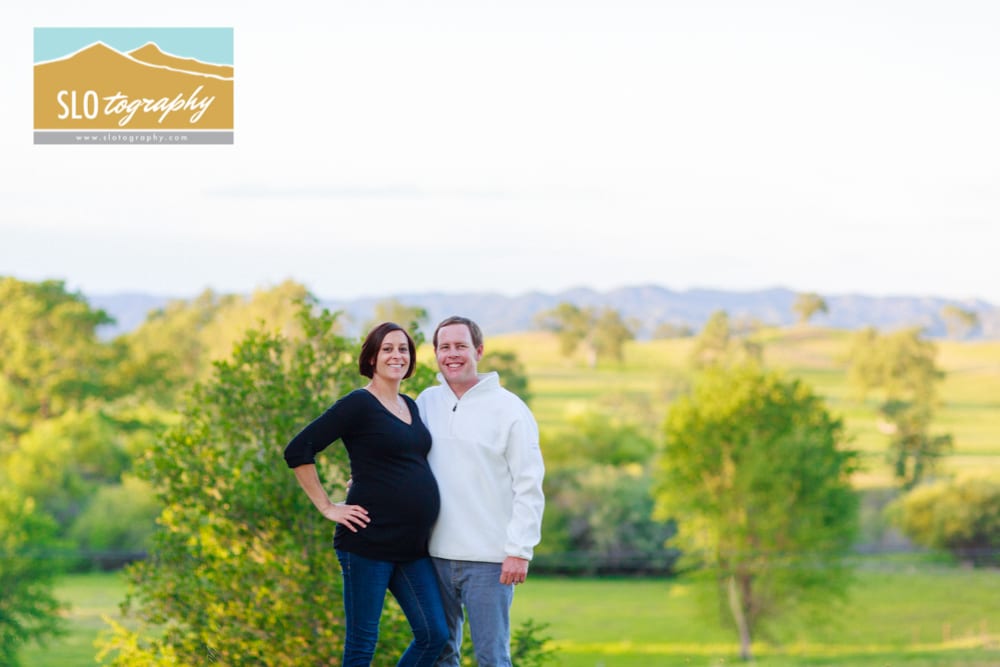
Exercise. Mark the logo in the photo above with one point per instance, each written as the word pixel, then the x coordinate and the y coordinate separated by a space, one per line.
pixel 104 86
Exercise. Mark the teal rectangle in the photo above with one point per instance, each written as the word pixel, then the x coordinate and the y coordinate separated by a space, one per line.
pixel 208 45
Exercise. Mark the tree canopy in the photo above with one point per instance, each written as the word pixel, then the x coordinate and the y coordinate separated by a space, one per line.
pixel 240 570
pixel 720 344
pixel 961 515
pixel 807 305
pixel 52 359
pixel 513 377
pixel 412 318
pixel 28 565
pixel 902 366
pixel 603 331
pixel 754 473
pixel 960 322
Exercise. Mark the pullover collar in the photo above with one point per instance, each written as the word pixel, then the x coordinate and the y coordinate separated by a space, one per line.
pixel 488 382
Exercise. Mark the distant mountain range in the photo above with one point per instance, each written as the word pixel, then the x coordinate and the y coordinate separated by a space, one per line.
pixel 648 305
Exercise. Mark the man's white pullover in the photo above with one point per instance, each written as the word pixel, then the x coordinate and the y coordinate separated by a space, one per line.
pixel 488 465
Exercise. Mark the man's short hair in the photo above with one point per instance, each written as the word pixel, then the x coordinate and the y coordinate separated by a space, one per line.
pixel 474 330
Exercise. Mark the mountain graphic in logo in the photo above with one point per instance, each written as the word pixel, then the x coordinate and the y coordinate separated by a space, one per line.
pixel 100 88
pixel 151 54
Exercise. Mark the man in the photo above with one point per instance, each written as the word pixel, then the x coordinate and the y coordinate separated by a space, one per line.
pixel 489 470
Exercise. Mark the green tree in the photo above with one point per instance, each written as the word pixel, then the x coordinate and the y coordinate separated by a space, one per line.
pixel 118 523
pixel 569 322
pixel 52 359
pixel 70 409
pixel 598 515
pixel 959 321
pixel 914 450
pixel 604 332
pixel 713 342
pixel 599 519
pixel 168 352
pixel 960 515
pixel 28 565
pixel 610 333
pixel 596 436
pixel 807 304
pixel 719 344
pixel 273 308
pixel 755 476
pixel 902 367
pixel 240 572
pixel 394 310
pixel 512 374
pixel 177 344
pixel 62 462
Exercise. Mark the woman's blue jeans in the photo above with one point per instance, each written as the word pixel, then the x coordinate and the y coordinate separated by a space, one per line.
pixel 414 585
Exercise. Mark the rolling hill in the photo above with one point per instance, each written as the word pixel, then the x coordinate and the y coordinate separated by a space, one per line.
pixel 648 305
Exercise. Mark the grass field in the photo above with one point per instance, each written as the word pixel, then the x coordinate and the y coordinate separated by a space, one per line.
pixel 890 620
pixel 90 598
pixel 913 615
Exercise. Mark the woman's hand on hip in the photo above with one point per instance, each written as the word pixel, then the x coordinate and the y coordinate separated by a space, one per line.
pixel 351 517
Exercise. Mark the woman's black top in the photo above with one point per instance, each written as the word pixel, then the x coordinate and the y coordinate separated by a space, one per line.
pixel 391 477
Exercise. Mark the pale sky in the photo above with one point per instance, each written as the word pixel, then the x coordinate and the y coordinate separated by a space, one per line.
pixel 390 147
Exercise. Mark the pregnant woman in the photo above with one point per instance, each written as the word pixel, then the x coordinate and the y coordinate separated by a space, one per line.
pixel 384 525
